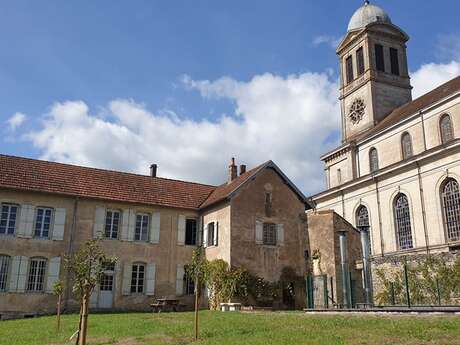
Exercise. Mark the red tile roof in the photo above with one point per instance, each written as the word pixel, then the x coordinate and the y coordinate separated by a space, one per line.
pixel 226 189
pixel 413 107
pixel 42 176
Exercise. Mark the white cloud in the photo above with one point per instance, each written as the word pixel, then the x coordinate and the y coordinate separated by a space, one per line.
pixel 16 120
pixel 291 120
pixel 331 41
pixel 288 120
pixel 431 75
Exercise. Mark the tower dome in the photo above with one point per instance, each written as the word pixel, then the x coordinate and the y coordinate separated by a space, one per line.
pixel 368 14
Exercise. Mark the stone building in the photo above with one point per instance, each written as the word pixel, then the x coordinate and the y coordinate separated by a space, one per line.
pixel 255 220
pixel 398 167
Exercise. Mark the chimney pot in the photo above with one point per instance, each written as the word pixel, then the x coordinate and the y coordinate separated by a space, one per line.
pixel 153 170
pixel 232 171
pixel 242 169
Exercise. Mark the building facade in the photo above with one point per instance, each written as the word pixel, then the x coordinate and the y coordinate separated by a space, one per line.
pixel 152 225
pixel 398 168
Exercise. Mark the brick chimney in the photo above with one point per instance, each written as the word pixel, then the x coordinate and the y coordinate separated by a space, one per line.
pixel 242 169
pixel 153 170
pixel 232 171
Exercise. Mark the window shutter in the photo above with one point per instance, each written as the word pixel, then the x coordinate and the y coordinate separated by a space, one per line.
pixel 205 236
pixel 280 234
pixel 124 225
pixel 199 232
pixel 53 273
pixel 181 230
pixel 99 220
pixel 126 285
pixel 216 233
pixel 59 224
pixel 19 266
pixel 180 280
pixel 259 232
pixel 26 221
pixel 155 228
pixel 150 279
pixel 131 225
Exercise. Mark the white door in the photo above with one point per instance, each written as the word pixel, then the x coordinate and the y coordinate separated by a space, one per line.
pixel 106 288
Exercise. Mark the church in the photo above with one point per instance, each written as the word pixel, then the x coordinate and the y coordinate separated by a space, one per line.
pixel 397 170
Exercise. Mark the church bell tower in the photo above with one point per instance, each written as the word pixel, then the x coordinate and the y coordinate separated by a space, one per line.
pixel 373 69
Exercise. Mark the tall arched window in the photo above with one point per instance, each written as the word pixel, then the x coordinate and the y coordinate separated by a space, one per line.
pixel 362 216
pixel 402 222
pixel 406 145
pixel 450 195
pixel 446 128
pixel 373 160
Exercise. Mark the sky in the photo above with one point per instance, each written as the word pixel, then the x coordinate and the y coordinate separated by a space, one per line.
pixel 189 84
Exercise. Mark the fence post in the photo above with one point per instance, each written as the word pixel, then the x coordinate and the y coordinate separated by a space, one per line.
pixel 406 278
pixel 310 303
pixel 439 291
pixel 392 292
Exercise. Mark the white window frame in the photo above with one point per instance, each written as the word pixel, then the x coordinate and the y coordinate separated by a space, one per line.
pixel 141 229
pixel 112 223
pixel 8 217
pixel 36 275
pixel 5 261
pixel 42 225
pixel 135 273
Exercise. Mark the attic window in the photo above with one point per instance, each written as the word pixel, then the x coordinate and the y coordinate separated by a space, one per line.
pixel 268 203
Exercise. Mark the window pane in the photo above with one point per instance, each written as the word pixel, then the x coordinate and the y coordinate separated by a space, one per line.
pixel 142 224
pixel 451 209
pixel 190 232
pixel 269 234
pixel 210 234
pixel 403 223
pixel 8 219
pixel 394 61
pixel 36 276
pixel 137 278
pixel 379 59
pixel 42 222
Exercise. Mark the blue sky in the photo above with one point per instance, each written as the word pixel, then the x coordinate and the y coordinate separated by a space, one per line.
pixel 185 66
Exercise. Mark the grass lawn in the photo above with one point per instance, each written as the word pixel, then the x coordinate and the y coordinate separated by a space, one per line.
pixel 237 328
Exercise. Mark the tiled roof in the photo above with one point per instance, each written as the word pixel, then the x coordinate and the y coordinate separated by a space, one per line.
pixel 413 107
pixel 42 176
pixel 225 190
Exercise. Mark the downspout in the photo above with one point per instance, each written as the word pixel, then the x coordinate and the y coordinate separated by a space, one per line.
pixel 380 215
pixel 422 201
pixel 70 250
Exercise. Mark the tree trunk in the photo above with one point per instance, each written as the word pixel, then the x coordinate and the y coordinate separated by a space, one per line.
pixel 79 323
pixel 58 326
pixel 84 318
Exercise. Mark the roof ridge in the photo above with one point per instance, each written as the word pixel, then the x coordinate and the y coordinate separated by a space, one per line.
pixel 105 170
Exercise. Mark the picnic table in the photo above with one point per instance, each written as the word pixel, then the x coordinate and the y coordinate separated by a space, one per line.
pixel 166 305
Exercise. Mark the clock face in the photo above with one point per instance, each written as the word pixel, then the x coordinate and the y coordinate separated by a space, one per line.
pixel 357 111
